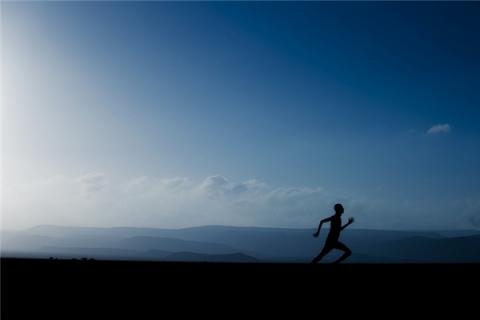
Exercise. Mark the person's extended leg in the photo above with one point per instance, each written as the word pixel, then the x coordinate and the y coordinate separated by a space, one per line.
pixel 326 249
pixel 341 246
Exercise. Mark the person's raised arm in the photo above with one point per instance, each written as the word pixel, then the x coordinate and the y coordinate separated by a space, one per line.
pixel 350 221
pixel 320 226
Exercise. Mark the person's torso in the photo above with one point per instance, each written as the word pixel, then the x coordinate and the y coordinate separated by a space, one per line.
pixel 335 228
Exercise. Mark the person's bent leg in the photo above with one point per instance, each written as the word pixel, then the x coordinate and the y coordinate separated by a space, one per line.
pixel 324 251
pixel 345 249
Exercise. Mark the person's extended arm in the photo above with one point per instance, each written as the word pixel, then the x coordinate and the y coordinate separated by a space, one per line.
pixel 320 226
pixel 350 221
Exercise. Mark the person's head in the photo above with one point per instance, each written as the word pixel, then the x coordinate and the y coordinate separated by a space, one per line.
pixel 338 209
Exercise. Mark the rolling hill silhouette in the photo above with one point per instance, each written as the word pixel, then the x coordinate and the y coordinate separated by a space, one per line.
pixel 198 257
pixel 221 243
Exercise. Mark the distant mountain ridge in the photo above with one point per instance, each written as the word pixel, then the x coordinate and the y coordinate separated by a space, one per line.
pixel 214 243
pixel 198 257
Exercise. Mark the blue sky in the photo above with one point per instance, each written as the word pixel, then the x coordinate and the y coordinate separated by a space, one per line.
pixel 265 113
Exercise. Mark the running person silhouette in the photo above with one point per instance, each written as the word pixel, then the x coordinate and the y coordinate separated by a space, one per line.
pixel 332 238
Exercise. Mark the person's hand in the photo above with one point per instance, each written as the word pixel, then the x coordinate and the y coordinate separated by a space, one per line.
pixel 350 220
pixel 316 234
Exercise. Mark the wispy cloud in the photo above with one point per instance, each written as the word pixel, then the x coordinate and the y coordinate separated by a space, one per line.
pixel 174 202
pixel 439 129
pixel 93 182
pixel 94 199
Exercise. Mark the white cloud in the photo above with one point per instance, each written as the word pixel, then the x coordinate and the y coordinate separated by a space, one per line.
pixel 174 202
pixel 94 199
pixel 439 129
pixel 93 182
pixel 175 183
pixel 218 185
pixel 215 185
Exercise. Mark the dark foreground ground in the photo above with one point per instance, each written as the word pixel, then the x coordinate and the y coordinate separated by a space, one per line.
pixel 67 288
